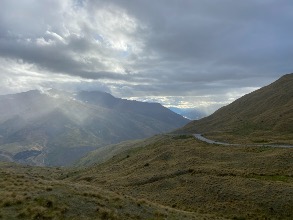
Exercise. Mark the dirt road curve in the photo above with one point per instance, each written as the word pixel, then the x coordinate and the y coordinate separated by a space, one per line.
pixel 201 138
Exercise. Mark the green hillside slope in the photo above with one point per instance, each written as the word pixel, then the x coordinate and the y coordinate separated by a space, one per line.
pixel 105 153
pixel 265 115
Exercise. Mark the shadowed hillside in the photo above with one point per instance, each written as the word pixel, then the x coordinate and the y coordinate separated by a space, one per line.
pixel 57 128
pixel 265 115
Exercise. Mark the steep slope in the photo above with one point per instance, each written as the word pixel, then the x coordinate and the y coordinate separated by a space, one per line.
pixel 265 115
pixel 187 174
pixel 56 128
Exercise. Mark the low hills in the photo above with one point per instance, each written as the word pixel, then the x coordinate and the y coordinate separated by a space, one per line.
pixel 181 172
pixel 171 177
pixel 263 116
pixel 105 153
pixel 56 127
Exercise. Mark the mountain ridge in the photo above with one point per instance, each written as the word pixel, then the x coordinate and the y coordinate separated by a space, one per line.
pixel 55 121
pixel 264 115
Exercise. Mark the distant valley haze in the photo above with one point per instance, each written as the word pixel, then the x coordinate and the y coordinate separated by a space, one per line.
pixel 55 127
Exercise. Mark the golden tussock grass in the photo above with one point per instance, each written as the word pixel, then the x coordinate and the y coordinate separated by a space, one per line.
pixel 186 174
pixel 40 193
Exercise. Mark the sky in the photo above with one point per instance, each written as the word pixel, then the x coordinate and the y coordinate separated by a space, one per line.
pixel 183 53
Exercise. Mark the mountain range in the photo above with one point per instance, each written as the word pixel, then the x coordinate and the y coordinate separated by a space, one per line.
pixel 57 127
pixel 166 176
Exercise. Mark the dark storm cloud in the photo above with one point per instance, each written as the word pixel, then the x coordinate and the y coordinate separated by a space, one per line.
pixel 152 48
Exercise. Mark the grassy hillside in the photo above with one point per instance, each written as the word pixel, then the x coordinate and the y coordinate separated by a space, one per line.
pixel 172 177
pixel 265 115
pixel 39 193
pixel 181 172
pixel 105 153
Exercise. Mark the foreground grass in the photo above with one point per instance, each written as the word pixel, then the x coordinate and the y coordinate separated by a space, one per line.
pixel 171 177
pixel 38 193
pixel 181 172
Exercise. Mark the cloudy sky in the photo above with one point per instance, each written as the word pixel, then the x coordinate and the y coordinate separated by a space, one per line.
pixel 184 53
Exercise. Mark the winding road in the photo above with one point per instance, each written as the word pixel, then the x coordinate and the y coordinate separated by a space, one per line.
pixel 201 138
